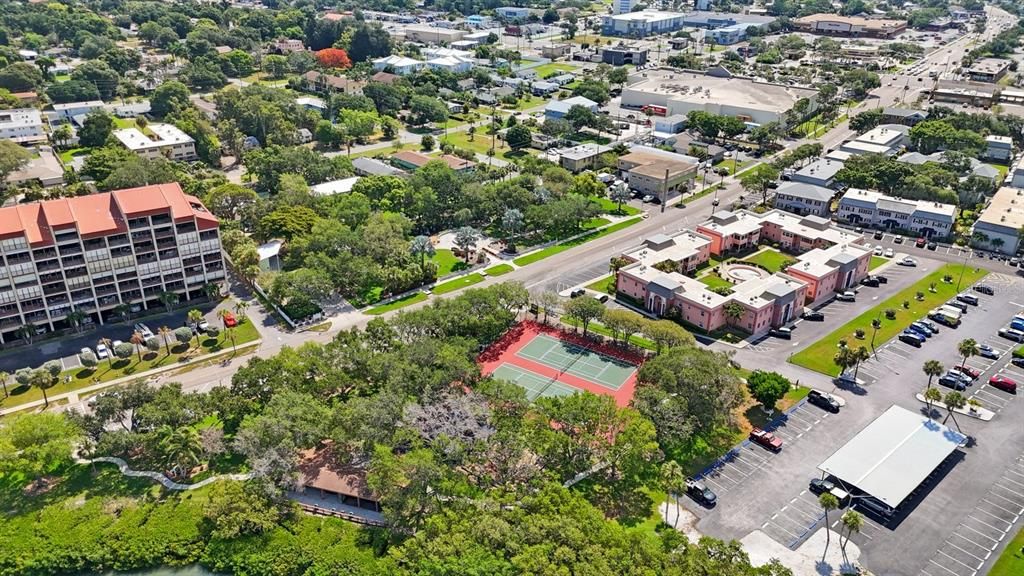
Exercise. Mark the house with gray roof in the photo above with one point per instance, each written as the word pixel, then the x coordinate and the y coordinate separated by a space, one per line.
pixel 374 167
pixel 804 199
pixel 821 172
pixel 877 210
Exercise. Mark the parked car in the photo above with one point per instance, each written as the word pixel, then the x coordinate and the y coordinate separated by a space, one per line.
pixel 934 329
pixel 967 299
pixel 85 351
pixel 879 250
pixel 1011 334
pixel 766 439
pixel 847 296
pixel 820 486
pixel 878 234
pixel 230 320
pixel 1018 362
pixel 1003 383
pixel 814 316
pixel 700 492
pixel 783 332
pixel 101 352
pixel 986 351
pixel 577 293
pixel 898 239
pixel 911 338
pixel 889 253
pixel 869 281
pixel 985 289
pixel 602 298
pixel 958 305
pixel 907 261
pixel 932 246
pixel 144 330
pixel 920 243
pixel 924 333
pixel 924 328
pixel 873 507
pixel 648 199
pixel 970 371
pixel 823 401
pixel 952 382
pixel 882 279
pixel 962 374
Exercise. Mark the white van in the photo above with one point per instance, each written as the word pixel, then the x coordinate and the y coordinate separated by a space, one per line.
pixel 951 311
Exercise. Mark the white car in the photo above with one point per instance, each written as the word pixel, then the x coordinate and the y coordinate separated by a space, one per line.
pixel 879 251
pixel 847 296
pixel 889 253
pixel 101 352
pixel 144 330
pixel 907 261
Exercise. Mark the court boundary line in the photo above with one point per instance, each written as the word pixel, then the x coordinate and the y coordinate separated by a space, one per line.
pixel 586 354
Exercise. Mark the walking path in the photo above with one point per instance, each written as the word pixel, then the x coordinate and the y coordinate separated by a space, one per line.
pixel 160 477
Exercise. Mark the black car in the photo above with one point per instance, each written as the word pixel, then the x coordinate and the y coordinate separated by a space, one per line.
pixel 814 316
pixel 869 281
pixel 882 279
pixel 874 508
pixel 577 293
pixel 784 333
pixel 878 235
pixel 701 493
pixel 911 338
pixel 1018 362
pixel 985 289
pixel 603 298
pixel 931 246
pixel 823 401
pixel 820 486
pixel 953 382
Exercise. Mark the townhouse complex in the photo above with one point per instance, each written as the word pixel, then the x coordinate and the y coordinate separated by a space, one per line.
pixel 661 272
pixel 870 208
pixel 94 253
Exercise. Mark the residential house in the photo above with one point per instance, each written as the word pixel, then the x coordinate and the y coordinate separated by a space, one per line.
pixel 903 116
pixel 373 167
pixel 804 199
pixel 319 82
pixel 582 157
pixel 559 108
pixel 999 148
pixel 158 141
pixel 22 125
pixel 400 65
pixel 821 172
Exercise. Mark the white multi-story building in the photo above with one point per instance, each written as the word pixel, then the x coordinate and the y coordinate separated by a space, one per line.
pixel 162 140
pixel 999 224
pixel 94 253
pixel 871 208
pixel 22 125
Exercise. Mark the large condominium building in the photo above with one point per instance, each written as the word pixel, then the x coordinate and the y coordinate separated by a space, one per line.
pixel 871 208
pixel 999 225
pixel 158 141
pixel 95 253
pixel 22 125
pixel 659 275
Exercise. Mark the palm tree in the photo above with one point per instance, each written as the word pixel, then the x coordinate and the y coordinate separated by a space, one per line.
pixel 931 396
pixel 843 359
pixel 3 382
pixel 953 401
pixel 733 312
pixel 138 340
pixel 169 300
pixel 932 368
pixel 852 521
pixel 166 333
pixel 828 502
pixel 123 310
pixel 967 348
pixel 212 291
pixel 43 380
pixel 110 350
pixel 859 355
pixel 422 246
pixel 194 318
pixel 26 333
pixel 180 447
pixel 671 477
pixel 76 317
pixel 223 313
pixel 230 333
pixel 240 307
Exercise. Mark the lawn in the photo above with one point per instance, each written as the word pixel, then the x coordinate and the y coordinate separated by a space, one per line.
pixel 610 207
pixel 458 283
pixel 531 102
pixel 396 304
pixel 68 155
pixel 447 262
pixel 62 77
pixel 877 261
pixel 1003 169
pixel 1011 561
pixel 124 123
pixel 563 246
pixel 553 69
pixel 499 270
pixel 715 281
pixel 771 259
pixel 180 354
pixel 732 167
pixel 481 143
pixel 605 285
pixel 819 356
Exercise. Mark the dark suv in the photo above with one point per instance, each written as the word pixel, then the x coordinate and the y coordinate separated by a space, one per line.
pixel 823 401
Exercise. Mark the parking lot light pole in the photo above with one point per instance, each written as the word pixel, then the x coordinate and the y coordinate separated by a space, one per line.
pixel 875 325
pixel 962 268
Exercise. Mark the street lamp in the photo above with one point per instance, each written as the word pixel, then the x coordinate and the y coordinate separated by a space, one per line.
pixel 962 268
pixel 875 325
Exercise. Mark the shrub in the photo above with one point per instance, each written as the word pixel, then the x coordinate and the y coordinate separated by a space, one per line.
pixel 859 334
pixel 124 350
pixel 183 335
pixel 906 304
pixel 153 344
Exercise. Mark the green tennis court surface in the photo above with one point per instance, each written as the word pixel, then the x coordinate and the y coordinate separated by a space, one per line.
pixel 580 362
pixel 534 384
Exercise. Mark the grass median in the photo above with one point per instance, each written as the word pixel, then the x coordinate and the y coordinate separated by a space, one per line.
pixel 1011 561
pixel 818 356
pixel 396 304
pixel 458 283
pixel 499 269
pixel 563 246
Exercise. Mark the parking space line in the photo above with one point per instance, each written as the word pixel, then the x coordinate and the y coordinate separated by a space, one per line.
pixel 979 533
pixel 965 551
pixel 979 521
pixel 944 568
pixel 957 561
pixel 1011 500
pixel 1013 482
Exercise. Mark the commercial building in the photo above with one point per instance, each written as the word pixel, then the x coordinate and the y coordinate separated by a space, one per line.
pixel 1017 174
pixel 512 13
pixel 554 51
pixel 999 148
pixel 904 116
pixel 623 6
pixel 659 273
pixel 821 172
pixel 998 227
pixel 877 210
pixel 804 199
pixel 622 55
pixel 432 34
pixel 988 70
pixel 656 174
pixel 22 125
pixel 887 139
pixel 979 94
pixel 158 141
pixel 579 158
pixel 681 93
pixel 834 24
pixel 892 456
pixel 651 22
pixel 559 108
pixel 93 253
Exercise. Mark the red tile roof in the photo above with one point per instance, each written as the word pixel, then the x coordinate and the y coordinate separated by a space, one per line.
pixel 101 214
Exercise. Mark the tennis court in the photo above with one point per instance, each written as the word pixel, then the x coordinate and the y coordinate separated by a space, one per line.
pixel 534 384
pixel 569 358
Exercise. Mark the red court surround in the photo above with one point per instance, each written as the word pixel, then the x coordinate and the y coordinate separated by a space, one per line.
pixel 504 350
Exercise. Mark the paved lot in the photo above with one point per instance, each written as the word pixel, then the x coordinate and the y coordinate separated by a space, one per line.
pixel 927 538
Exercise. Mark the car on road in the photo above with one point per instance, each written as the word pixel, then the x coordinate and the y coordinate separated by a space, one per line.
pixel 984 289
pixel 1011 334
pixel 986 351
pixel 952 382
pixel 766 439
pixel 898 239
pixel 101 352
pixel 847 296
pixel 783 332
pixel 700 492
pixel 911 338
pixel 820 486
pixel 907 261
pixel 813 316
pixel 823 401
pixel 1003 383
pixel 879 250
pixel 888 253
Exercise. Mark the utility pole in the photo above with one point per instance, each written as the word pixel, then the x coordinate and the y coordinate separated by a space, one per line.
pixel 664 191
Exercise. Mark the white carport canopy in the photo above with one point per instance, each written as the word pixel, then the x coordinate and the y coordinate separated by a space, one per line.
pixel 892 456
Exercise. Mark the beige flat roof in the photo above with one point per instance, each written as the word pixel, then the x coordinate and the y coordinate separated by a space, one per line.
pixel 742 92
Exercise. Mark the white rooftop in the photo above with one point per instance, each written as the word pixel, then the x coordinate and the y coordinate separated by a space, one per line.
pixel 20 118
pixel 892 456
pixel 677 247
pixel 821 261
pixel 162 135
pixel 270 249
pixel 333 187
